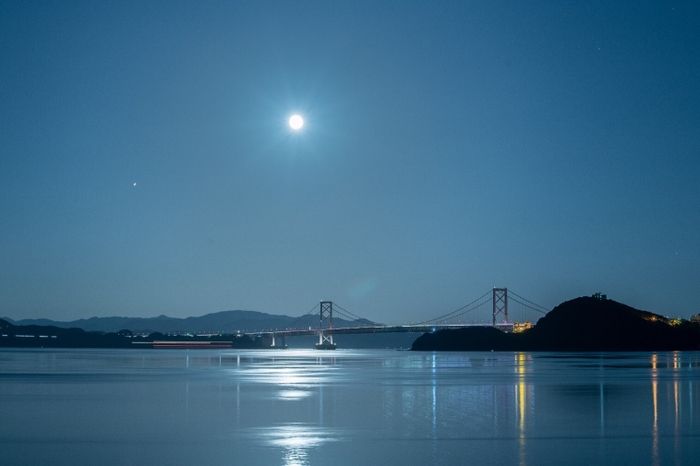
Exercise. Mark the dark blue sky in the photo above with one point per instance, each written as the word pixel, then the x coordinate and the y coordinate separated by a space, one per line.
pixel 549 147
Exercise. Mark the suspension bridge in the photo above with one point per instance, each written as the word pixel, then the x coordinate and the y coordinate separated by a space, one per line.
pixel 499 307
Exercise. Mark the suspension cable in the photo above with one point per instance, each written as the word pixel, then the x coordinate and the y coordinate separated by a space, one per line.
pixel 530 302
pixel 470 310
pixel 352 318
pixel 449 315
pixel 527 306
pixel 303 317
pixel 350 314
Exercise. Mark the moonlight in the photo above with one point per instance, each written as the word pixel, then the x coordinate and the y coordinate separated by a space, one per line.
pixel 296 122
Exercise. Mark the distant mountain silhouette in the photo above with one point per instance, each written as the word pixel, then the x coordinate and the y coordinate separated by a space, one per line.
pixel 582 324
pixel 218 322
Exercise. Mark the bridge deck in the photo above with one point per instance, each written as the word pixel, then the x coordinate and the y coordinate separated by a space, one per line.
pixel 374 329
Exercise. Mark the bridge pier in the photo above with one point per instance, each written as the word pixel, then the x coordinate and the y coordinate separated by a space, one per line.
pixel 280 340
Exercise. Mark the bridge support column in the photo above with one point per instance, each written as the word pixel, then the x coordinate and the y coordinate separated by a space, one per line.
pixel 278 342
pixel 325 340
pixel 500 304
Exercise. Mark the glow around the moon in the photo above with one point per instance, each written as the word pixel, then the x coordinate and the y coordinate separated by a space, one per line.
pixel 296 122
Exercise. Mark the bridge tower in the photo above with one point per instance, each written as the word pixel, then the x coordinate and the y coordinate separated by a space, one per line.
pixel 325 340
pixel 500 304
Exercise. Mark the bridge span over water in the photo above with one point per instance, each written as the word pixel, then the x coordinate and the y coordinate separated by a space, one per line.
pixel 502 315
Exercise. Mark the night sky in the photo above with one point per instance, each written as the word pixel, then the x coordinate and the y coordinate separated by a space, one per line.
pixel 147 166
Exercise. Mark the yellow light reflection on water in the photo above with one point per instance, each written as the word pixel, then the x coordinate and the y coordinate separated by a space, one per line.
pixel 655 397
pixel 521 362
pixel 677 365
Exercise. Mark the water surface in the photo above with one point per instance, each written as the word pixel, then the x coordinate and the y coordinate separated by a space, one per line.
pixel 348 407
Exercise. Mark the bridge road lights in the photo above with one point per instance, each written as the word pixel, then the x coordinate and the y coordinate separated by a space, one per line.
pixel 500 304
pixel 325 341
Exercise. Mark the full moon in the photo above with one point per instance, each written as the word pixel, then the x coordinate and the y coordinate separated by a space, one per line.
pixel 296 122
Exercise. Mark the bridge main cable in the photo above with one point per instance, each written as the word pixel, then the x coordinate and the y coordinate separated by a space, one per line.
pixel 345 313
pixel 304 317
pixel 453 314
pixel 541 310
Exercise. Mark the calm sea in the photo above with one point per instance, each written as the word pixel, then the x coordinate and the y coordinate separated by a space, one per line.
pixel 348 407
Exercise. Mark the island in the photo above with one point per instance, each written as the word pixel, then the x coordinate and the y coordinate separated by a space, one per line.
pixel 581 324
